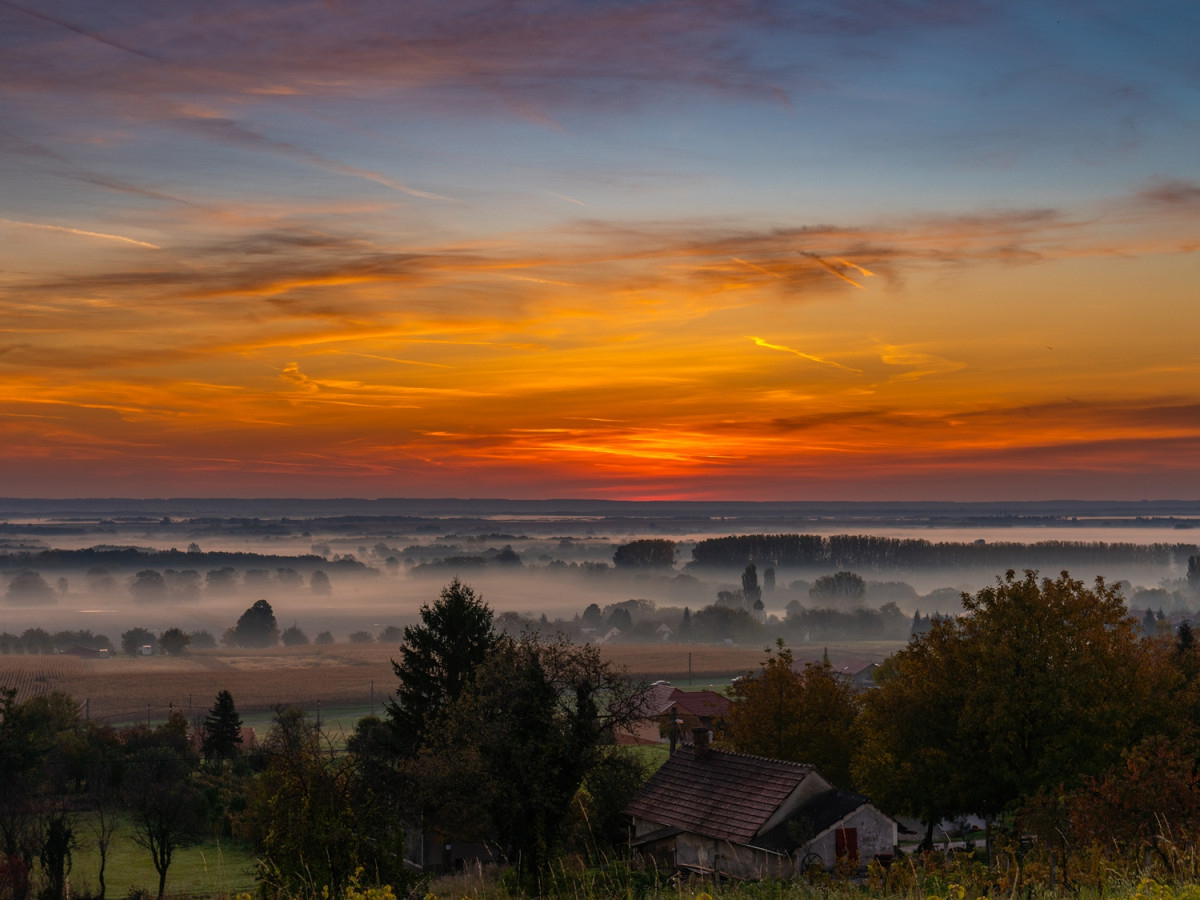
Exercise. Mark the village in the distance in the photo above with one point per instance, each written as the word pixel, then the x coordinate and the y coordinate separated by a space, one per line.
pixel 863 683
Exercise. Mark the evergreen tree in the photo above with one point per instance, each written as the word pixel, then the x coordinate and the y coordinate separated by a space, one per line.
pixel 750 587
pixel 222 729
pixel 438 659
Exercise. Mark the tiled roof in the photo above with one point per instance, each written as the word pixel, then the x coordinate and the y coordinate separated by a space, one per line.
pixel 658 699
pixel 704 704
pixel 727 796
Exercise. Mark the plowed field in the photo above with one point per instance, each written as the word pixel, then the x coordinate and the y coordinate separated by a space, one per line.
pixel 341 675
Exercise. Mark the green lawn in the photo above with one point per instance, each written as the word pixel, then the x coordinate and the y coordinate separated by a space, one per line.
pixel 211 868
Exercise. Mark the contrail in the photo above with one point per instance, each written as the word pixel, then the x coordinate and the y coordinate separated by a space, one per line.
pixel 848 264
pixel 96 234
pixel 75 28
pixel 756 266
pixel 832 268
pixel 809 357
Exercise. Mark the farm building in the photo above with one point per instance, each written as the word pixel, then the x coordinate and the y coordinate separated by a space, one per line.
pixel 733 815
pixel 665 711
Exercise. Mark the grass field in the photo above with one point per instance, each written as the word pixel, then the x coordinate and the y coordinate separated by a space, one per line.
pixel 209 869
pixel 345 680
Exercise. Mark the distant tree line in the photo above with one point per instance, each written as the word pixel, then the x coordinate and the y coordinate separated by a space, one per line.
pixel 875 553
pixel 135 558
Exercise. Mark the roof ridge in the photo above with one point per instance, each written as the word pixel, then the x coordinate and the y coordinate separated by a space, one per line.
pixel 770 759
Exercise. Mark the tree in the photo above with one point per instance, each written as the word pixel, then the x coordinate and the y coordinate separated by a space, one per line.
pixel 308 818
pixel 806 716
pixel 165 808
pixel 751 592
pixel 293 636
pixel 29 587
pixel 202 640
pixel 592 616
pixel 256 627
pixel 149 586
pixel 104 774
pixel 324 639
pixel 319 584
pixel 1040 684
pixel 649 553
pixel 438 659
pixel 620 619
pixel 838 589
pixel 505 759
pixel 36 824
pixel 222 729
pixel 910 759
pixel 174 641
pixel 136 638
pixel 361 637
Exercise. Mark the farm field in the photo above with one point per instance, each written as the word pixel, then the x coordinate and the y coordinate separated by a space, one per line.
pixel 339 676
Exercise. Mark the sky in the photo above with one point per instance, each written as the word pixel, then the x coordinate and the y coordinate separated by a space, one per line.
pixel 714 249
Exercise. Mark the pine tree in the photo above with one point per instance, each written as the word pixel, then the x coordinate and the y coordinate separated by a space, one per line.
pixel 222 729
pixel 438 659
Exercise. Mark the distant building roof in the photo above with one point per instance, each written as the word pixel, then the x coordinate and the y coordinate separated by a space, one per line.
pixel 658 699
pixel 727 796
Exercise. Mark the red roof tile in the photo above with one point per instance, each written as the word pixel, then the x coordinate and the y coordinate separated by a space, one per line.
pixel 727 796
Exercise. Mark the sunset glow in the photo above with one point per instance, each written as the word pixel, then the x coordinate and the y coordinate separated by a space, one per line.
pixel 785 250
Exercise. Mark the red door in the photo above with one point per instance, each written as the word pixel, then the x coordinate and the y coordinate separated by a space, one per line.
pixel 846 842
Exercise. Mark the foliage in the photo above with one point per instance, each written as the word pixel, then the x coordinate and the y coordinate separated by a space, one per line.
pixel 720 623
pixel 1040 684
pixel 174 641
pixel 649 553
pixel 309 820
pixel 506 758
pixel 256 627
pixel 222 730
pixel 135 638
pixel 751 591
pixel 164 805
pixel 148 586
pixel 806 716
pixel 29 587
pixel 438 659
pixel 293 636
pixel 839 589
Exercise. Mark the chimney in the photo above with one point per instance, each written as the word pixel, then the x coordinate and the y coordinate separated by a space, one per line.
pixel 700 742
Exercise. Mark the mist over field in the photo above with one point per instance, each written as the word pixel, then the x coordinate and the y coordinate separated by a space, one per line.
pixel 347 566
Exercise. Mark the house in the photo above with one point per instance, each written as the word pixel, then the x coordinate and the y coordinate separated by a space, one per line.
pixel 859 675
pixel 664 710
pixel 733 815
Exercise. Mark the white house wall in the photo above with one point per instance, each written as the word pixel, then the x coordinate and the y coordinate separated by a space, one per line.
pixel 737 860
pixel 877 836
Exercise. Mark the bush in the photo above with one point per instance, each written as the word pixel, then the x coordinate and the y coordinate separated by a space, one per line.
pixel 293 637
